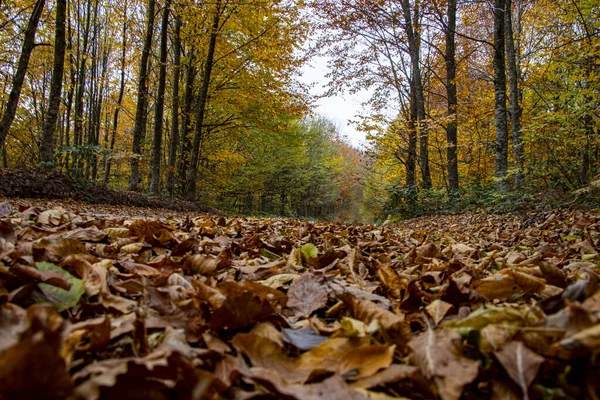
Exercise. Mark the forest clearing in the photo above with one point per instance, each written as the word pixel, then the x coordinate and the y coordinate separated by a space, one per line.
pixel 299 199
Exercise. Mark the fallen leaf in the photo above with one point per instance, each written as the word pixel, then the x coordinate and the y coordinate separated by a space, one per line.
pixel 303 339
pixel 520 363
pixel 60 298
pixel 365 361
pixel 438 355
pixel 306 295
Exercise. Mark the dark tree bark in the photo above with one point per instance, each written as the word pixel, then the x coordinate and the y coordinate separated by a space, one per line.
pixel 515 109
pixel 98 112
pixel 419 96
pixel 119 102
pixel 81 76
pixel 452 127
pixel 47 143
pixel 160 102
pixel 142 95
pixel 186 126
pixel 17 83
pixel 70 94
pixel 501 165
pixel 190 184
pixel 175 108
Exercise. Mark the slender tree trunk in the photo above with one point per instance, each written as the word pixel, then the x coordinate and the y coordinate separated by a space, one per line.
pixel 98 113
pixel 160 102
pixel 70 95
pixel 188 105
pixel 515 109
pixel 119 101
pixel 17 84
pixel 415 58
pixel 452 127
pixel 81 75
pixel 501 166
pixel 47 145
pixel 175 108
pixel 190 184
pixel 141 100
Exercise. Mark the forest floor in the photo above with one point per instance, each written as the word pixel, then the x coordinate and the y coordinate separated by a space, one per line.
pixel 36 184
pixel 96 302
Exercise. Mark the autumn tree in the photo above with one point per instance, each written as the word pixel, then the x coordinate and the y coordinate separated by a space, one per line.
pixel 47 140
pixel 142 94
pixel 10 109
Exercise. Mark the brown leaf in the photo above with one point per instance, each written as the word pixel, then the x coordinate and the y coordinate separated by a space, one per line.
pixel 392 281
pixel 553 274
pixel 30 274
pixel 394 373
pixel 365 361
pixel 92 234
pixel 429 250
pixel 333 388
pixel 265 353
pixel 55 250
pixel 438 355
pixel 306 295
pixel 33 368
pixel 393 324
pixel 438 309
pixel 12 325
pixel 245 304
pixel 7 231
pixel 520 363
pixel 507 283
pixel 200 264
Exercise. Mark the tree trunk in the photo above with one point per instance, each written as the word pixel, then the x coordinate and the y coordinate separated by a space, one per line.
pixel 515 109
pixel 160 102
pixel 501 166
pixel 70 95
pixel 19 77
pixel 81 75
pixel 190 184
pixel 141 100
pixel 452 127
pixel 47 144
pixel 98 113
pixel 119 101
pixel 414 53
pixel 186 143
pixel 175 108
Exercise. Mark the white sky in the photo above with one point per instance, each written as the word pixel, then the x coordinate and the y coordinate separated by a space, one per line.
pixel 340 109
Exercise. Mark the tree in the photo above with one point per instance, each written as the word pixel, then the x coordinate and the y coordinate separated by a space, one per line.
pixel 411 18
pixel 191 176
pixel 160 102
pixel 452 125
pixel 47 142
pixel 118 107
pixel 175 107
pixel 515 109
pixel 17 82
pixel 142 94
pixel 501 166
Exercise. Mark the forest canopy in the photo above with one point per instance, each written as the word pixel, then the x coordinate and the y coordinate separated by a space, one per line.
pixel 469 101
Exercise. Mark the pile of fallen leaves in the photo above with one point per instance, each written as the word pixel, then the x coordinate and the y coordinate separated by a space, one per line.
pixel 472 306
pixel 54 185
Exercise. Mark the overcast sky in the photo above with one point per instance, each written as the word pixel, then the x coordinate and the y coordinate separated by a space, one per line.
pixel 340 109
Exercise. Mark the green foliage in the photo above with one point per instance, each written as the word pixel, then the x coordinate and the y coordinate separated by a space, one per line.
pixel 296 168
